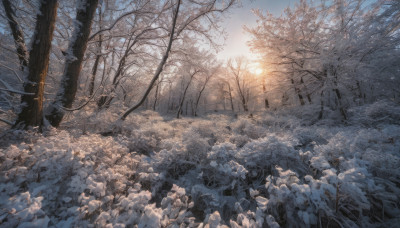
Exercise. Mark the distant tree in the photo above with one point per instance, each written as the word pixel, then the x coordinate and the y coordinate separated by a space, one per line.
pixel 209 73
pixel 330 52
pixel 191 74
pixel 238 69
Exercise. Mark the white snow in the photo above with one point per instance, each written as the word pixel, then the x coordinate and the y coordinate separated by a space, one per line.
pixel 194 172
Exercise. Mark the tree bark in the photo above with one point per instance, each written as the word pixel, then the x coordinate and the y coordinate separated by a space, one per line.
pixel 73 65
pixel 17 33
pixel 32 110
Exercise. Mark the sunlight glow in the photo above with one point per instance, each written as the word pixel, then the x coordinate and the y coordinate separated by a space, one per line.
pixel 258 71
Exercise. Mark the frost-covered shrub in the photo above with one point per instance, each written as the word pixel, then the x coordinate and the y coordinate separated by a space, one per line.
pixel 239 140
pixel 214 172
pixel 379 112
pixel 261 155
pixel 246 127
pixel 23 210
pixel 196 146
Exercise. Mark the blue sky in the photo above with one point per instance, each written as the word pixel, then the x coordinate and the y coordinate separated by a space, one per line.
pixel 238 17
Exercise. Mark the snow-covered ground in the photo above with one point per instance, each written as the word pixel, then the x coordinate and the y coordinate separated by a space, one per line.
pixel 270 170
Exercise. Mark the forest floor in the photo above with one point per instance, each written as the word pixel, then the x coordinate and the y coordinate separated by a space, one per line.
pixel 269 170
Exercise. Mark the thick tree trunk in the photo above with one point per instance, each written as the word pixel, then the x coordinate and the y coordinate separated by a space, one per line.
pixel 32 109
pixel 17 33
pixel 73 65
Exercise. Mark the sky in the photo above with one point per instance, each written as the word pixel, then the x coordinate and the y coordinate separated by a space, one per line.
pixel 235 44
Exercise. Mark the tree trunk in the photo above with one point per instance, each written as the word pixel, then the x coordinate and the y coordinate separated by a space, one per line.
pixel 94 72
pixel 266 103
pixel 340 104
pixel 230 97
pixel 321 112
pixel 156 97
pixel 77 48
pixel 242 96
pixel 297 91
pixel 17 33
pixel 96 62
pixel 198 97
pixel 32 110
pixel 184 94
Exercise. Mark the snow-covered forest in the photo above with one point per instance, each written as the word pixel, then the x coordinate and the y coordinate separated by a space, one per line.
pixel 120 113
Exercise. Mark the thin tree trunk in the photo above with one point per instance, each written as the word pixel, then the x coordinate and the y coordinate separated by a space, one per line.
pixel 32 110
pixel 340 104
pixel 156 97
pixel 321 112
pixel 77 48
pixel 184 94
pixel 160 66
pixel 96 62
pixel 17 33
pixel 297 91
pixel 266 103
pixel 230 97
pixel 200 93
pixel 186 108
pixel 94 72
pixel 308 95
pixel 241 95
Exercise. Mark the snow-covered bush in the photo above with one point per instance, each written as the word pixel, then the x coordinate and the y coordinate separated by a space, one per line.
pixel 213 172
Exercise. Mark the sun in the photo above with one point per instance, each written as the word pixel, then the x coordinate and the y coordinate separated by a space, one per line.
pixel 258 71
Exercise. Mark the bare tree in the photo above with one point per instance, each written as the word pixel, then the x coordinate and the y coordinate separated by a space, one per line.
pixel 207 76
pixel 190 78
pixel 190 22
pixel 239 71
pixel 160 66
